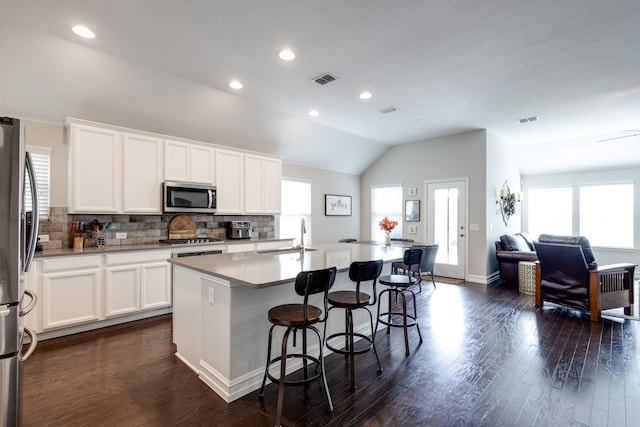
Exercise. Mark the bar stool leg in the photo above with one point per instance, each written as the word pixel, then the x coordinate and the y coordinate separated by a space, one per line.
pixel 373 340
pixel 264 379
pixel 415 315
pixel 352 370
pixel 283 375
pixel 404 321
pixel 346 336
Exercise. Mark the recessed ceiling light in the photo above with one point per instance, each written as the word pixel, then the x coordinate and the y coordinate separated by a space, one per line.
pixel 235 85
pixel 83 32
pixel 365 95
pixel 287 55
pixel 314 113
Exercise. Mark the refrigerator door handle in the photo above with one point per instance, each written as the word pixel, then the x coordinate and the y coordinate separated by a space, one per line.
pixel 35 221
pixel 34 301
pixel 33 338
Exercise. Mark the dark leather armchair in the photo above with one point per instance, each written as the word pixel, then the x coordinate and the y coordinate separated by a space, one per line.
pixel 510 250
pixel 567 274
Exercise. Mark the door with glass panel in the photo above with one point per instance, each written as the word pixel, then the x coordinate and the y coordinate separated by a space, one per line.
pixel 446 226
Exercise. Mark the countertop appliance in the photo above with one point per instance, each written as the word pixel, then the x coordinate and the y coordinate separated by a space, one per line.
pixel 184 197
pixel 239 230
pixel 17 247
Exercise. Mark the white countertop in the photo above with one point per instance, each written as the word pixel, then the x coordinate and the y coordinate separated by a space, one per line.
pixel 261 270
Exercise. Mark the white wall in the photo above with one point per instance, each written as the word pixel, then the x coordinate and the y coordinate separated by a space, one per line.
pixel 452 157
pixel 500 167
pixel 54 137
pixel 329 229
pixel 605 176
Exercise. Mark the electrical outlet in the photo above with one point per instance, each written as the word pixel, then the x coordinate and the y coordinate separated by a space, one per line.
pixel 43 238
pixel 121 235
pixel 211 295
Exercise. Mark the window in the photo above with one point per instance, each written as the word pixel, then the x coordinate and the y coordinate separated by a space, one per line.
pixel 606 215
pixel 41 158
pixel 296 204
pixel 386 201
pixel 550 211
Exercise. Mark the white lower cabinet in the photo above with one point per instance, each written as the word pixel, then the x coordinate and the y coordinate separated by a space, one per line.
pixel 79 290
pixel 155 285
pixel 70 291
pixel 136 281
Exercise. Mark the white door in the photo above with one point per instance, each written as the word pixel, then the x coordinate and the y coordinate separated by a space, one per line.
pixel 446 225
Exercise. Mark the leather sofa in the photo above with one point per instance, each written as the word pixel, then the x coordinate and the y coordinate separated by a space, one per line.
pixel 510 250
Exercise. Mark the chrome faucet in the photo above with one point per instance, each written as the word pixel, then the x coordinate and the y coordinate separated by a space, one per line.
pixel 303 230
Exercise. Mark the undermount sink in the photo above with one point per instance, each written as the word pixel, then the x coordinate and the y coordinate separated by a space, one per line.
pixel 284 251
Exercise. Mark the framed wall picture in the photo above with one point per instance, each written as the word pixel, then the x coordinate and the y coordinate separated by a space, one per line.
pixel 335 205
pixel 412 210
pixel 413 191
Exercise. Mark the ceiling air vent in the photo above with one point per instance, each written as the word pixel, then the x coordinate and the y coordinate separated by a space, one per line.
pixel 387 110
pixel 323 79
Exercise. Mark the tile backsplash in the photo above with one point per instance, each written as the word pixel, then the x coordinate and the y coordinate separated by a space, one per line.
pixel 143 229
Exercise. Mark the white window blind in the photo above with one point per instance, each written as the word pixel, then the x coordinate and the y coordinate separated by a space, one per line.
pixel 386 202
pixel 606 215
pixel 296 204
pixel 41 158
pixel 550 211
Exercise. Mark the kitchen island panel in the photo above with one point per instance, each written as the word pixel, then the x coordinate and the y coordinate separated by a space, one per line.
pixel 225 342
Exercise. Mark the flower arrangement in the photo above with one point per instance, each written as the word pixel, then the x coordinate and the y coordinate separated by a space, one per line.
pixel 387 225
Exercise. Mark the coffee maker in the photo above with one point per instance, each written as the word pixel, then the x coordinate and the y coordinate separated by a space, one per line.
pixel 239 230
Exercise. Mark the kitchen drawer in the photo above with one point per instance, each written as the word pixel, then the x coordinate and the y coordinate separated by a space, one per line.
pixel 136 257
pixel 70 263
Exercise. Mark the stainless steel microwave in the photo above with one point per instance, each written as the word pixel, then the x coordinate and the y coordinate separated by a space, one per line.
pixel 184 197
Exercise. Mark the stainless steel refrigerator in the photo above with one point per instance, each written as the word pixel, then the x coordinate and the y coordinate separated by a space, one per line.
pixel 18 238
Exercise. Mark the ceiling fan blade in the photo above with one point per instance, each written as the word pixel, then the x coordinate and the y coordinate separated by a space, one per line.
pixel 619 137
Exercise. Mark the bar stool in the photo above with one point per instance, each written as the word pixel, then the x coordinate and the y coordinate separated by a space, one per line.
pixel 427 264
pixel 399 284
pixel 294 317
pixel 352 300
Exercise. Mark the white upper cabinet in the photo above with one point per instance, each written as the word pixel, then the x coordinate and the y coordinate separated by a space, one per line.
pixel 230 182
pixel 142 174
pixel 188 162
pixel 176 161
pixel 94 169
pixel 262 184
pixel 272 186
pixel 119 170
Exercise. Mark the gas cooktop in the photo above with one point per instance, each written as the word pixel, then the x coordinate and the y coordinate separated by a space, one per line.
pixel 197 240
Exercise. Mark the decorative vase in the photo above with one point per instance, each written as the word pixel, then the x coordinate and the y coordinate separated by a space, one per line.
pixel 387 238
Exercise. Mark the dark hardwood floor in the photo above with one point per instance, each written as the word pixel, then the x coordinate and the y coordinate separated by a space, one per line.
pixel 489 358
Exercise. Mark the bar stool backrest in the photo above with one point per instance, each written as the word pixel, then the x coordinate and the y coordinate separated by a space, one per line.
pixel 412 257
pixel 362 271
pixel 314 282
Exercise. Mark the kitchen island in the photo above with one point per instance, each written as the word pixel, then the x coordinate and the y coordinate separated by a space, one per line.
pixel 220 324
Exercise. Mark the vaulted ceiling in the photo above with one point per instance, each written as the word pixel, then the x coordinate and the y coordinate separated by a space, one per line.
pixel 446 66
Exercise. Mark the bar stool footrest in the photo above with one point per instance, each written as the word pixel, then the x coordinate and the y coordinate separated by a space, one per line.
pixel 303 381
pixel 411 320
pixel 343 335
